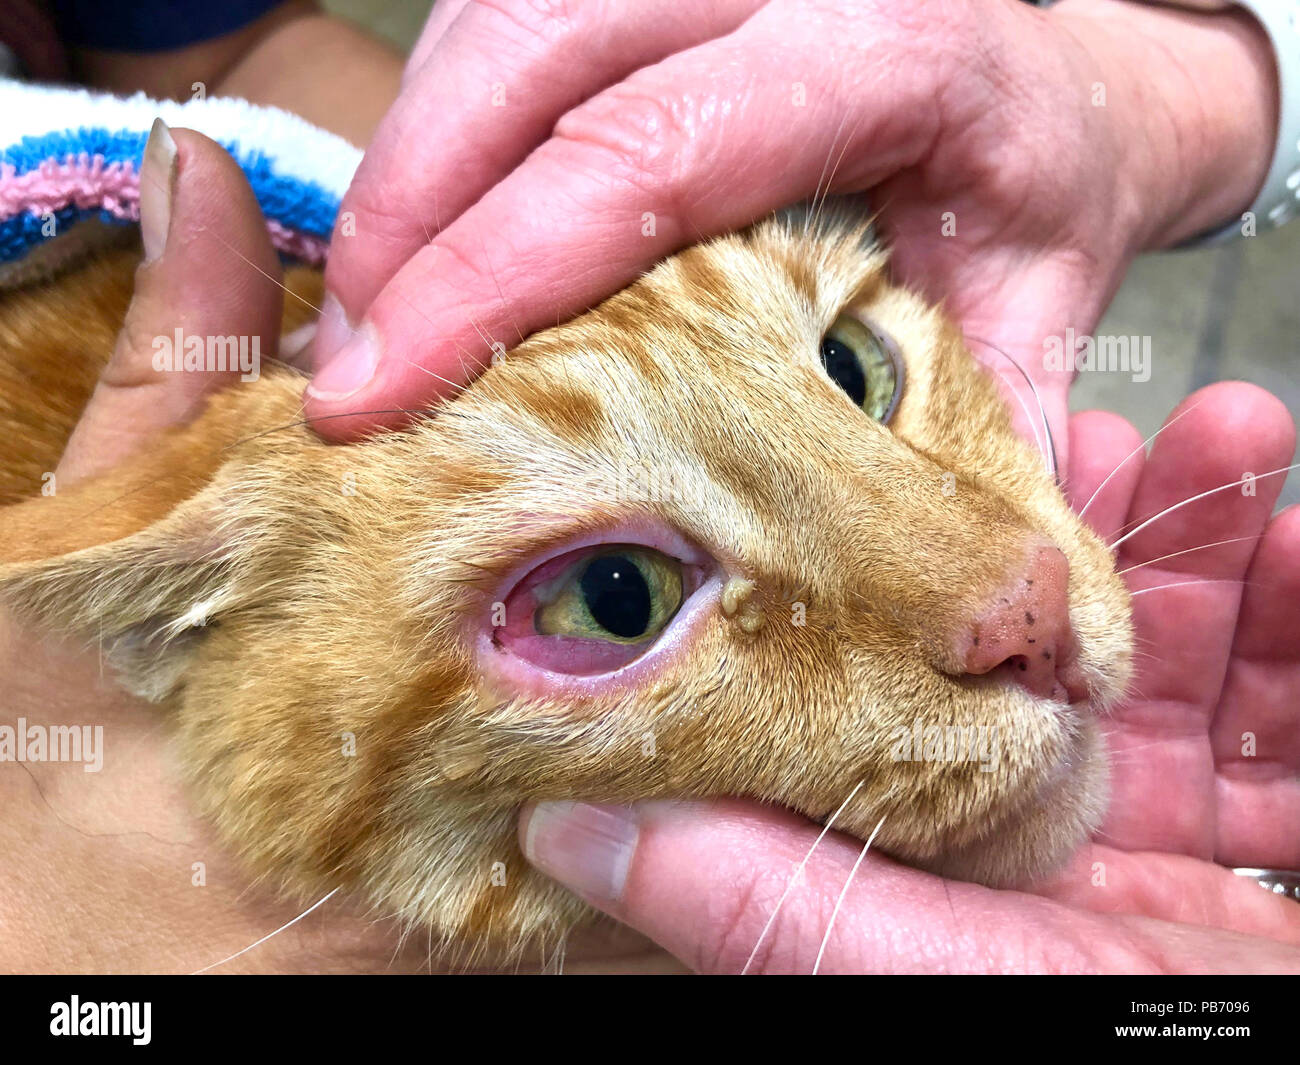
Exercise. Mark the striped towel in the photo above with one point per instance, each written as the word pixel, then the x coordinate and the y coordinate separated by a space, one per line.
pixel 68 156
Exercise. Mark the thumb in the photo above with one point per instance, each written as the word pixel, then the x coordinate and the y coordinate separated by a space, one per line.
pixel 209 277
pixel 733 887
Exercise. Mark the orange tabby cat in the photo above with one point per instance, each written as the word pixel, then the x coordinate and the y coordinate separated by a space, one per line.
pixel 756 526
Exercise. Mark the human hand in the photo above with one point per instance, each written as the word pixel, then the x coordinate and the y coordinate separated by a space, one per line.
pixel 536 162
pixel 1218 662
pixel 208 267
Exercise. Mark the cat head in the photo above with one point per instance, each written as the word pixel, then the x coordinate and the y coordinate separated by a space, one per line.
pixel 756 526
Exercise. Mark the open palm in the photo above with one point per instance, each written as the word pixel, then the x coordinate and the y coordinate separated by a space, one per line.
pixel 1206 751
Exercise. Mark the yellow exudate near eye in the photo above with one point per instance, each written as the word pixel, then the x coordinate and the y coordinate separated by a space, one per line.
pixel 622 594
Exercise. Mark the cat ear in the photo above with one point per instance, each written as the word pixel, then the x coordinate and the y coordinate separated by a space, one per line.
pixel 141 559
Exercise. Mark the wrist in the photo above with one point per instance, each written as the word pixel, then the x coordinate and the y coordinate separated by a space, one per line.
pixel 1196 96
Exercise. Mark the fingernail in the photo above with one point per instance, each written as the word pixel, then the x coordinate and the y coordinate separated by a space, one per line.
pixel 333 330
pixel 157 180
pixel 292 345
pixel 349 369
pixel 587 848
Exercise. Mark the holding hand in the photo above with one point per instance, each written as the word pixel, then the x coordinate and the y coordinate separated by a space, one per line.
pixel 537 162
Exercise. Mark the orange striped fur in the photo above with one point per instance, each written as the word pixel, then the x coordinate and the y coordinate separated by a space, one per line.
pixel 341 587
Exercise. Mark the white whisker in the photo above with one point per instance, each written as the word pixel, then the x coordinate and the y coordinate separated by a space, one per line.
pixel 844 891
pixel 1181 584
pixel 1193 499
pixel 268 935
pixel 1188 551
pixel 274 280
pixel 1118 757
pixel 797 874
pixel 1142 447
pixel 1049 448
pixel 823 190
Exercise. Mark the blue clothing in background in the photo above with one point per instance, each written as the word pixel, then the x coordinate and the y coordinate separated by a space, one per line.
pixel 151 25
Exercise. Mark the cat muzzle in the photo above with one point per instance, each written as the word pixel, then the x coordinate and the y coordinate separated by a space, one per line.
pixel 1024 635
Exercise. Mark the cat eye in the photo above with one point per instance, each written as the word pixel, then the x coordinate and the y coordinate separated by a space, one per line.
pixel 865 365
pixel 595 609
pixel 623 595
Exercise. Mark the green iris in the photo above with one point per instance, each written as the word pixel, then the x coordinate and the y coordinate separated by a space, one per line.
pixel 858 361
pixel 621 594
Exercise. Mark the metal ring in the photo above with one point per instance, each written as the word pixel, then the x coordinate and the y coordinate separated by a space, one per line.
pixel 1285 882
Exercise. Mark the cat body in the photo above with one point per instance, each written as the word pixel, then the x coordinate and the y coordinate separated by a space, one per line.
pixel 360 701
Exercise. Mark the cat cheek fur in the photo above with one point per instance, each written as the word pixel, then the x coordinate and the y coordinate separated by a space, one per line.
pixel 332 709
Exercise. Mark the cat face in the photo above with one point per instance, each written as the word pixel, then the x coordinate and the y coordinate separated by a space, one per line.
pixel 660 551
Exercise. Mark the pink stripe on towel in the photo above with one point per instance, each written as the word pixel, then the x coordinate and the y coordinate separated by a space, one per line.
pixel 303 246
pixel 84 181
pixel 87 182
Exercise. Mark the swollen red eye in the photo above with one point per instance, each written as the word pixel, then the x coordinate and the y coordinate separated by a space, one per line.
pixel 593 610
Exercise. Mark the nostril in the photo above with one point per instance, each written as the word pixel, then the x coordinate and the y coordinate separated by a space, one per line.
pixel 1023 635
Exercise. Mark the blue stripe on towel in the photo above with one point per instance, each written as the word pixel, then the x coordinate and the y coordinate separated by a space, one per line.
pixel 300 205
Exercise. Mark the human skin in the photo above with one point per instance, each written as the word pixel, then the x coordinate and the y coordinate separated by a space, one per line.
pixel 294 57
pixel 98 869
pixel 1018 160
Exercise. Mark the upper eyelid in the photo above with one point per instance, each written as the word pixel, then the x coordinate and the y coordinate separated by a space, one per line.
pixel 662 538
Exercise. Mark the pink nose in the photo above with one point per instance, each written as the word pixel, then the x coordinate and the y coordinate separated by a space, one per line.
pixel 1024 634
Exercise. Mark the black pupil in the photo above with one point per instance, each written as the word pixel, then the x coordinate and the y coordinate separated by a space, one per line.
pixel 844 369
pixel 617 595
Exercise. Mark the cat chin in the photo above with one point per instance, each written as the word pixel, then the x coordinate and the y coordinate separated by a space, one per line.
pixel 1039 837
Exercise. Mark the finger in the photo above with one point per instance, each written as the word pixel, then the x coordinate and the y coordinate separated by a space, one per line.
pixel 209 272
pixel 494 82
pixel 1017 326
pixel 704 882
pixel 444 13
pixel 1256 733
pixel 1185 604
pixel 703 142
pixel 1173 887
pixel 1106 460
